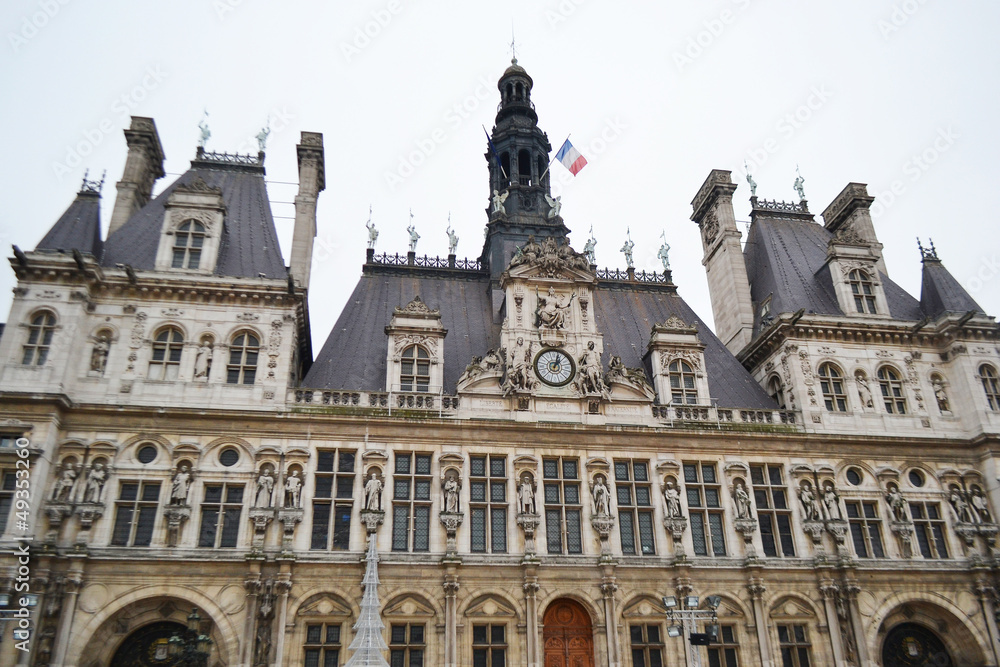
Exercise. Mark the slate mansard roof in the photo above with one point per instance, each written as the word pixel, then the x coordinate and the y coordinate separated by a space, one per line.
pixel 249 244
pixel 354 355
pixel 79 228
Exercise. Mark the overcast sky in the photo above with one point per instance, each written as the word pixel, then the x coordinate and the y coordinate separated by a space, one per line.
pixel 900 95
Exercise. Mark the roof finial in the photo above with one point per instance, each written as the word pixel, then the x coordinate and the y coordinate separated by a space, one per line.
pixel 799 181
pixel 203 128
pixel 927 253
pixel 753 183
pixel 94 187
pixel 263 134
pixel 513 45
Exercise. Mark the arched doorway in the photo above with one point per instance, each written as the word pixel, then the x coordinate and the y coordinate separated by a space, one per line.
pixel 912 645
pixel 147 646
pixel 568 635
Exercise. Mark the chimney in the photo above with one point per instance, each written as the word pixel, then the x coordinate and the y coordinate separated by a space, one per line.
pixel 312 181
pixel 850 214
pixel 143 166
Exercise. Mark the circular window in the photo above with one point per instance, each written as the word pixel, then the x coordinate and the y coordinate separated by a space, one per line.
pixel 229 457
pixel 854 476
pixel 916 478
pixel 146 454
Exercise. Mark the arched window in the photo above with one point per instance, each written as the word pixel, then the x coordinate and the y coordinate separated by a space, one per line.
pixel 863 291
pixel 524 167
pixel 188 241
pixel 892 390
pixel 520 91
pixel 991 385
pixel 682 387
pixel 415 369
pixel 505 169
pixel 166 359
pixel 510 92
pixel 774 391
pixel 243 354
pixel 831 382
pixel 36 349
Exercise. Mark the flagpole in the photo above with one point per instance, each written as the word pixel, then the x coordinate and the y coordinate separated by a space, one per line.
pixel 493 150
pixel 552 160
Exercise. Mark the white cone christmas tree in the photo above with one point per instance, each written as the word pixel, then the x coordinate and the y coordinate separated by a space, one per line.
pixel 368 643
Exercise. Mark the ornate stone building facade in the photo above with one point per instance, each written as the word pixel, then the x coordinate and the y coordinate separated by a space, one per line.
pixel 540 450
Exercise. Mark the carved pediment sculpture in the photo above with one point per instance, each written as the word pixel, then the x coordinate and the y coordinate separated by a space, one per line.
pixel 550 257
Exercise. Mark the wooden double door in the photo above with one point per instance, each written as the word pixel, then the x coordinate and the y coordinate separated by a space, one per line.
pixel 567 635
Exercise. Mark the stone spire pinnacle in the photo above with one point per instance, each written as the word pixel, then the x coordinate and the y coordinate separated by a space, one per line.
pixel 368 643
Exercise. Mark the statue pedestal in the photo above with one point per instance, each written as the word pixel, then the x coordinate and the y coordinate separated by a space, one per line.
pixel 175 516
pixel 451 522
pixel 529 523
pixel 289 518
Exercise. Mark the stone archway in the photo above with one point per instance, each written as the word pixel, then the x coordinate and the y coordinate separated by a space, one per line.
pixel 568 636
pixel 913 645
pixel 147 646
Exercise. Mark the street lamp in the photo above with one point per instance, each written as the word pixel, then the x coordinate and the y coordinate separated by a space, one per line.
pixel 190 648
pixel 682 621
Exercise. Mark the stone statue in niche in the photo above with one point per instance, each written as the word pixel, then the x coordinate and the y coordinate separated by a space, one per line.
pixel 293 488
pixel 99 355
pixel 94 488
pixel 831 501
pixel 373 493
pixel 602 497
pixel 451 488
pixel 180 486
pixel 940 394
pixel 552 310
pixel 864 391
pixel 519 369
pixel 63 491
pixel 526 496
pixel 959 504
pixel 809 502
pixel 203 360
pixel 265 489
pixel 897 504
pixel 980 504
pixel 672 497
pixel 591 371
pixel 742 499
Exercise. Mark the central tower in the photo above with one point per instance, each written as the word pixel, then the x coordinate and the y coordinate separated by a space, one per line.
pixel 520 197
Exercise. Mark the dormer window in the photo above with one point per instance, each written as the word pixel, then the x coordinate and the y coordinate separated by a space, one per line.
pixel 775 391
pixel 40 331
pixel 682 385
pixel 863 291
pixel 189 239
pixel 414 369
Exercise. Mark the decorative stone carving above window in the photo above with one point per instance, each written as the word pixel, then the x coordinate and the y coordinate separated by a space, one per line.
pixel 415 348
pixel 192 228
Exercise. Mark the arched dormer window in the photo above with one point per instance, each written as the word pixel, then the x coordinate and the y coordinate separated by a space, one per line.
pixel 166 360
pixel 892 390
pixel 775 391
pixel 243 353
pixel 831 382
pixel 40 331
pixel 991 385
pixel 189 239
pixel 863 291
pixel 415 369
pixel 683 390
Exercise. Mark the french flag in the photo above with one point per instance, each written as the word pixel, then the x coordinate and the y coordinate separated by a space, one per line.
pixel 571 158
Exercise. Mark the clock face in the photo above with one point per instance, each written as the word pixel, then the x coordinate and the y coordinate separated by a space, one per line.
pixel 554 367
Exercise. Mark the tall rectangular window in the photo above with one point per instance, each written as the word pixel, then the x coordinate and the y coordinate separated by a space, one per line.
pixel 773 513
pixel 725 651
pixel 705 508
pixel 333 500
pixel 929 526
pixel 488 503
pixel 794 644
pixel 411 502
pixel 635 507
pixel 646 645
pixel 406 645
pixel 220 515
pixel 563 508
pixel 866 528
pixel 322 647
pixel 489 645
pixel 8 484
pixel 135 514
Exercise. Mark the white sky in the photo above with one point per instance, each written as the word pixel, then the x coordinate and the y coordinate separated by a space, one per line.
pixel 677 88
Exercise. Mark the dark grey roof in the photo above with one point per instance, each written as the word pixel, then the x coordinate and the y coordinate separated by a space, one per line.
pixel 941 293
pixel 249 244
pixel 354 356
pixel 79 228
pixel 784 259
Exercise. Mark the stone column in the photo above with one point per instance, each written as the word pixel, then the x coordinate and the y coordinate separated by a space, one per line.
pixel 987 596
pixel 849 593
pixel 451 586
pixel 39 582
pixel 608 588
pixel 72 584
pixel 531 638
pixel 756 589
pixel 282 586
pixel 252 586
pixel 830 593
